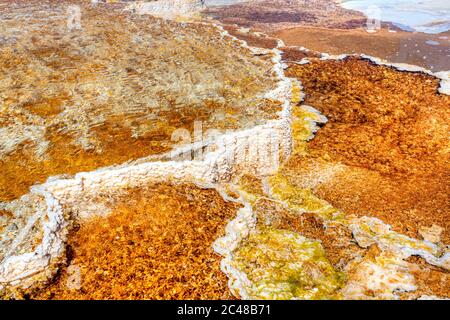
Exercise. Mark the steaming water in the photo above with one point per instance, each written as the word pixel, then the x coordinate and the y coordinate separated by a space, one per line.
pixel 429 16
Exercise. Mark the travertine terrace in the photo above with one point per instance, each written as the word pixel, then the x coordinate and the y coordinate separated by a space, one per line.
pixel 117 96
pixel 320 177
pixel 115 90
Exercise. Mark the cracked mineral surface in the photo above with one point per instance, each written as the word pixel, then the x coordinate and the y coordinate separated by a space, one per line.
pixel 327 177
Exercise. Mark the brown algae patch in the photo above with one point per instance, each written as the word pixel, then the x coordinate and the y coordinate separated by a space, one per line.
pixel 384 150
pixel 155 244
pixel 295 54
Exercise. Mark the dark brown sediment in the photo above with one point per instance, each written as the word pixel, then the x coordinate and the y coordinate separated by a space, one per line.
pixel 273 15
pixel 402 47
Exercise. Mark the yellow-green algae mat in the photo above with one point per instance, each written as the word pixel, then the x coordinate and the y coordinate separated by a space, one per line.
pixel 274 263
pixel 286 265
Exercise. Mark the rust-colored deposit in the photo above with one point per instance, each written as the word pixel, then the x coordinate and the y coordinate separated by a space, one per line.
pixel 155 244
pixel 384 151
